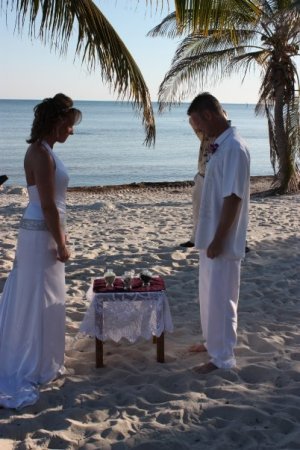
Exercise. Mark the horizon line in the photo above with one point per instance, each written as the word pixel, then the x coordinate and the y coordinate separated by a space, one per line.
pixel 121 101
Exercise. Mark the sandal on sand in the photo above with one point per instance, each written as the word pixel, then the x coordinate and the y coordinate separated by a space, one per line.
pixel 3 178
pixel 187 244
pixel 205 368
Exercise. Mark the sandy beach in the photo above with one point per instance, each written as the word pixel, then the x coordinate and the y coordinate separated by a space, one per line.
pixel 135 402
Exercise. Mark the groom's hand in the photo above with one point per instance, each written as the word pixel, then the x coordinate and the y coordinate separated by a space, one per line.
pixel 215 248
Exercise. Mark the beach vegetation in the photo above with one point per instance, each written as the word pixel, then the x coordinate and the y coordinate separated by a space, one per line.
pixel 236 36
pixel 98 45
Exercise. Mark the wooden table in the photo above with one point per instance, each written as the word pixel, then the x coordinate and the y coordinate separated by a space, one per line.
pixel 116 314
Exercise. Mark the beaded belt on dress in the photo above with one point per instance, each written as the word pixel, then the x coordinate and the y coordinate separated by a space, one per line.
pixel 36 224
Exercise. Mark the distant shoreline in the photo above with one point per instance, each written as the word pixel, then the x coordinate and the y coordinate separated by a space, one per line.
pixel 260 184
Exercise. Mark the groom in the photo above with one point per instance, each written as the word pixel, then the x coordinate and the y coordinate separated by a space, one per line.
pixel 221 232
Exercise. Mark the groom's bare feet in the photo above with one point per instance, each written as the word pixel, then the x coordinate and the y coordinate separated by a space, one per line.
pixel 205 368
pixel 197 348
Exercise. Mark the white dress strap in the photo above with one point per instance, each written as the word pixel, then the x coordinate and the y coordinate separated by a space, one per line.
pixel 50 150
pixel 47 146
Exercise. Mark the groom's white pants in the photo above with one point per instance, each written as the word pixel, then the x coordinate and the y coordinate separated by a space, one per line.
pixel 219 283
pixel 196 200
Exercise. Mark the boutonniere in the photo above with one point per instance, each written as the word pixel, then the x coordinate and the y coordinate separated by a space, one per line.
pixel 214 148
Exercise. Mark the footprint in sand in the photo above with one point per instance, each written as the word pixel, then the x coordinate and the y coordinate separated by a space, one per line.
pixel 178 255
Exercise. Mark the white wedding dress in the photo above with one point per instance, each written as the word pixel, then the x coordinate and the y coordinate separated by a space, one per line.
pixel 32 305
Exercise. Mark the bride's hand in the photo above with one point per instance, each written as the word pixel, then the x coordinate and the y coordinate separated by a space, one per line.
pixel 63 253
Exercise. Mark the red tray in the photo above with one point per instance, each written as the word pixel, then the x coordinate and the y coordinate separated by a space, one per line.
pixel 156 284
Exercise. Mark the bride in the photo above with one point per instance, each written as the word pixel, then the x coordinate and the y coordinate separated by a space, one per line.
pixel 32 306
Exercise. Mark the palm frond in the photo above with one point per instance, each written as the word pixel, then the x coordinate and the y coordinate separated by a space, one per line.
pixel 272 7
pixel 167 27
pixel 195 69
pixel 268 7
pixel 200 59
pixel 249 60
pixel 296 4
pixel 226 17
pixel 218 14
pixel 98 44
pixel 198 43
pixel 259 56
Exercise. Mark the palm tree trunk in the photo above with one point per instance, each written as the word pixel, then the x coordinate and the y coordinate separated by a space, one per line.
pixel 288 174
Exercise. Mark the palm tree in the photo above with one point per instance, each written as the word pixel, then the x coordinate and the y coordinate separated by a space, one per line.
pixel 264 33
pixel 54 21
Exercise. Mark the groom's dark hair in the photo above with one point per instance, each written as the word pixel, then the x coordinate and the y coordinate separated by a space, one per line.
pixel 205 101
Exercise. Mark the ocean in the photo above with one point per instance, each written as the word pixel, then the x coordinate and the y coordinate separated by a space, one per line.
pixel 107 147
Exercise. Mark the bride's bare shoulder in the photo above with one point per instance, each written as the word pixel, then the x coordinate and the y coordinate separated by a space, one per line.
pixel 37 149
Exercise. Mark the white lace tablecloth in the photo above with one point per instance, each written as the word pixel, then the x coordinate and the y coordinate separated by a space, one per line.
pixel 127 315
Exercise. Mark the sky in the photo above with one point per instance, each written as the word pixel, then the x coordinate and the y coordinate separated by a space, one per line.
pixel 29 70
